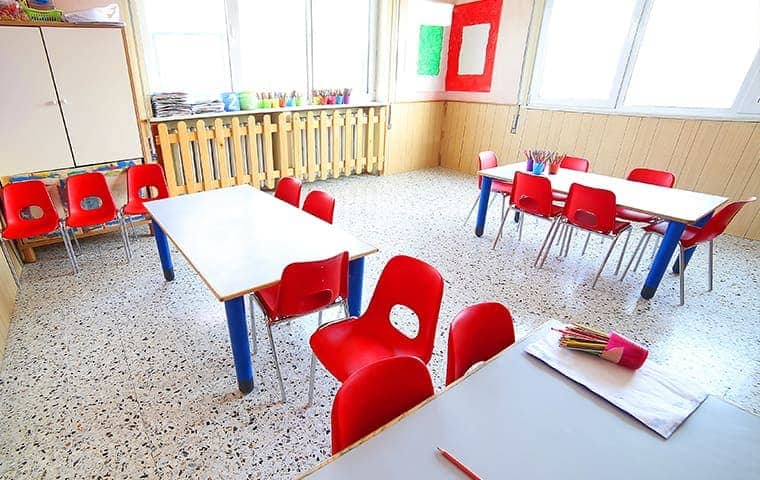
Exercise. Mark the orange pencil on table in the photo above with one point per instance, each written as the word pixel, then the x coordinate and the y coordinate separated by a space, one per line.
pixel 461 466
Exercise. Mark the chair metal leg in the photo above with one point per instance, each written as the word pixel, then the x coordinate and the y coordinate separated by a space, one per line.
pixel 561 233
pixel 585 244
pixel 622 252
pixel 710 266
pixel 501 227
pixel 633 257
pixel 648 236
pixel 276 364
pixel 544 245
pixel 69 248
pixel 568 239
pixel 313 367
pixel 551 241
pixel 475 204
pixel 253 324
pixel 520 228
pixel 656 246
pixel 73 238
pixel 681 271
pixel 604 262
pixel 9 259
pixel 125 237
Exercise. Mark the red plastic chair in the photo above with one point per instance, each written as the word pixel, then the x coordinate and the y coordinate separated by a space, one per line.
pixel 692 237
pixel 347 345
pixel 142 182
pixel 532 195
pixel 486 160
pixel 652 177
pixel 477 333
pixel 289 190
pixel 144 178
pixel 375 395
pixel 304 288
pixel 83 192
pixel 571 163
pixel 592 210
pixel 320 204
pixel 17 200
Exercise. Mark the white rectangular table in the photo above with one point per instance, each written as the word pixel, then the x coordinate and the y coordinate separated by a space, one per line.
pixel 517 418
pixel 238 240
pixel 678 207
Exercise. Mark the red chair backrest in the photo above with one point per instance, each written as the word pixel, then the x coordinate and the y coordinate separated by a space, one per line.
pixel 320 204
pixel 306 287
pixel 478 333
pixel 416 285
pixel 289 190
pixel 83 186
pixel 486 159
pixel 17 198
pixel 590 208
pixel 718 222
pixel 376 394
pixel 532 194
pixel 574 163
pixel 148 175
pixel 652 177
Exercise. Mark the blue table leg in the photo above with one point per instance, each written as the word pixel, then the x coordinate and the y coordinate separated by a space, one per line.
pixel 163 252
pixel 355 284
pixel 241 349
pixel 664 254
pixel 485 193
pixel 688 253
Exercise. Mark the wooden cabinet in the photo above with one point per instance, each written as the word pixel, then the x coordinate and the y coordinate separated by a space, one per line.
pixel 66 99
pixel 32 132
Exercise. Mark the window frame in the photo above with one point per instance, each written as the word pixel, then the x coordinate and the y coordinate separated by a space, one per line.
pixel 235 54
pixel 746 105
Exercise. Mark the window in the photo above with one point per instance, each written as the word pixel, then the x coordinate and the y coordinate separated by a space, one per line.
pixel 653 56
pixel 212 46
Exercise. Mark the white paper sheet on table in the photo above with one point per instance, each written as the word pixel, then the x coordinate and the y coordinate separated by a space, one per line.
pixel 658 399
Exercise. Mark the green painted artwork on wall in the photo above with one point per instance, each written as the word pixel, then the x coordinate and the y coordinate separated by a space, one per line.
pixel 429 53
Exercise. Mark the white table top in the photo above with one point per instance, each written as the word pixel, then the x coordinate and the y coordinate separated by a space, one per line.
pixel 669 203
pixel 239 239
pixel 517 418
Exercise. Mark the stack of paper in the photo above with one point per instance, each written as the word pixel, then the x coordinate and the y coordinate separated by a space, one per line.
pixel 208 106
pixel 170 103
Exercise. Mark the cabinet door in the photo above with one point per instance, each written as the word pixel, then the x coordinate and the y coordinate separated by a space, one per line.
pixel 32 134
pixel 90 71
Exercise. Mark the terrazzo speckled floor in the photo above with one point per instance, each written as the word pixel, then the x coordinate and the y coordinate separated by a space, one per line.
pixel 117 374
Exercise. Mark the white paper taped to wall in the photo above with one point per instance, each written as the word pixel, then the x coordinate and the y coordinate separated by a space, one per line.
pixel 472 55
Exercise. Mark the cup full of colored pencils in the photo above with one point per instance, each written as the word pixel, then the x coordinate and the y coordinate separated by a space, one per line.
pixel 612 347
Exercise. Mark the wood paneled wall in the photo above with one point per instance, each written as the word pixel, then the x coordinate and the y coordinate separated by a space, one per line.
pixel 8 293
pixel 414 137
pixel 719 157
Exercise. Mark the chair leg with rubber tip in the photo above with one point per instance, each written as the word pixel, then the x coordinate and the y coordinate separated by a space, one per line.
pixel 604 262
pixel 277 365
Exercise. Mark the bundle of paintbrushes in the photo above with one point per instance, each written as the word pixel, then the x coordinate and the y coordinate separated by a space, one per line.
pixel 611 347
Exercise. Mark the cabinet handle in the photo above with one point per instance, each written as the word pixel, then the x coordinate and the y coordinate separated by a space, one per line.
pixel 51 103
pixel 64 101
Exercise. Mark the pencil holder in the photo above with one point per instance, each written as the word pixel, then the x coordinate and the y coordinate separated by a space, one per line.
pixel 624 352
pixel 529 165
pixel 346 99
pixel 553 168
pixel 317 100
pixel 290 102
pixel 331 100
pixel 298 101
pixel 282 102
pixel 339 100
pixel 538 168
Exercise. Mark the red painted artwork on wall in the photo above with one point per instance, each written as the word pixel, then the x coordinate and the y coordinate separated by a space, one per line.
pixel 472 46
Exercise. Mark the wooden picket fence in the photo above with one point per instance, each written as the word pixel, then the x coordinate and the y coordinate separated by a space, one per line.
pixel 311 145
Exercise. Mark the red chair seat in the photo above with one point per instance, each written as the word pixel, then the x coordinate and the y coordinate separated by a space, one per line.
pixel 87 218
pixel 686 237
pixel 350 347
pixel 148 176
pixel 501 187
pixel 135 208
pixel 559 197
pixel 267 298
pixel 16 199
pixel 634 216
